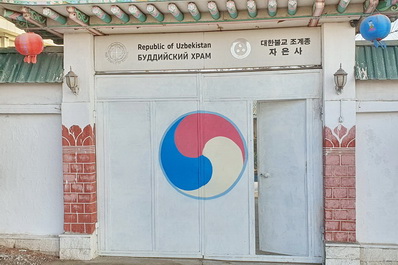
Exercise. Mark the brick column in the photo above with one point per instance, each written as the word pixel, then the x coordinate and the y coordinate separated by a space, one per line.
pixel 339 184
pixel 80 191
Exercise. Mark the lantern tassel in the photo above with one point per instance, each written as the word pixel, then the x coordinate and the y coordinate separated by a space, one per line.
pixel 378 43
pixel 30 59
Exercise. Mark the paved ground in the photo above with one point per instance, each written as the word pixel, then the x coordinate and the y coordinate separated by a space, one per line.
pixel 157 261
pixel 15 256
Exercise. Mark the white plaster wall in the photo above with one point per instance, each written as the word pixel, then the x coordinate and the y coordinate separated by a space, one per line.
pixel 79 54
pixel 338 47
pixel 377 166
pixel 377 182
pixel 383 90
pixel 32 94
pixel 31 174
pixel 31 199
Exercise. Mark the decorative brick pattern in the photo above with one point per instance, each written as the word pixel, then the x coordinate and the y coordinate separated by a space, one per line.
pixel 339 184
pixel 80 191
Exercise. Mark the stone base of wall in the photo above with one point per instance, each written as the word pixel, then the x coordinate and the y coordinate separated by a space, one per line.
pixel 379 254
pixel 360 254
pixel 78 246
pixel 342 254
pixel 45 244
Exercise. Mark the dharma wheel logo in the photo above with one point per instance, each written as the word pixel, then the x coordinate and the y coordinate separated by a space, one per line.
pixel 240 48
pixel 116 53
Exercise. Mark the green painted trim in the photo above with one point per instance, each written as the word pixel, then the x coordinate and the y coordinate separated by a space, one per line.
pixel 196 17
pixel 155 13
pixel 39 18
pixel 101 14
pixel 192 21
pixel 120 14
pixel 9 14
pixel 177 14
pixel 48 12
pixel 179 17
pixel 252 14
pixel 251 8
pixel 82 16
pixel 80 2
pixel 292 9
pixel 384 5
pixel 137 13
pixel 179 23
pixel 342 6
pixel 194 11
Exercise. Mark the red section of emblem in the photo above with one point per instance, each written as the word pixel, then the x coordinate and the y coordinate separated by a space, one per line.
pixel 210 126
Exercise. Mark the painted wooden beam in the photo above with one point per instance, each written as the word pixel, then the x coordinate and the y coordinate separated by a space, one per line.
pixel 10 14
pixel 193 9
pixel 34 17
pixel 155 12
pixel 48 12
pixel 78 16
pixel 231 8
pixel 252 8
pixel 82 19
pixel 37 19
pixel 101 14
pixel 136 12
pixel 292 7
pixel 120 14
pixel 370 6
pixel 272 7
pixel 342 6
pixel 175 12
pixel 213 9
pixel 319 6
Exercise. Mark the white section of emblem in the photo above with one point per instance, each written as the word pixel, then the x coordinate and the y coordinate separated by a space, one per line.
pixel 240 48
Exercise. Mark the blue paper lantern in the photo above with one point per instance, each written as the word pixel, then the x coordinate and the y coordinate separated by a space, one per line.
pixel 375 28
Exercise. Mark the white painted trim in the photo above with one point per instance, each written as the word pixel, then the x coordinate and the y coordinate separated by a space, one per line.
pixel 150 254
pixel 309 175
pixel 250 183
pixel 269 258
pixel 218 70
pixel 30 109
pixel 377 106
pixel 262 258
pixel 346 245
pixel 152 109
pixel 384 246
pixel 102 187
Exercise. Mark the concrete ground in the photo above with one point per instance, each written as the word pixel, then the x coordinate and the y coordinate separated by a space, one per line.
pixel 160 261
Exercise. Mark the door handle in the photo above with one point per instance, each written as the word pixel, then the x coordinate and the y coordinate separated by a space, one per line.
pixel 266 175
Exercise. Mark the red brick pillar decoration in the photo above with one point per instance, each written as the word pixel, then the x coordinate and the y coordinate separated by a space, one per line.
pixel 80 190
pixel 339 184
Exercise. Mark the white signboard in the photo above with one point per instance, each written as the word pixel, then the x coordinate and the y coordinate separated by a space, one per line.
pixel 208 50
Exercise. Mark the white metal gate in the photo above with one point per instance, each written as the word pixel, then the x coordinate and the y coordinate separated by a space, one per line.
pixel 143 211
pixel 289 155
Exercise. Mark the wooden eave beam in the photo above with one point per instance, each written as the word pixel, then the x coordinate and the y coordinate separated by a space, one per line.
pixel 37 19
pixel 370 6
pixel 319 6
pixel 82 19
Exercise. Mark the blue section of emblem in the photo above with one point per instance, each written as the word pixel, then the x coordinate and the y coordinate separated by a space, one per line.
pixel 183 172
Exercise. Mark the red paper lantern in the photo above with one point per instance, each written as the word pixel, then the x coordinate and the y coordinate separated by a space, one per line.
pixel 29 44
